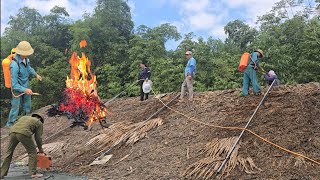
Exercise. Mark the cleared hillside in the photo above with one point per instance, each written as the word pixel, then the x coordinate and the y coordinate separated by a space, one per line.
pixel 290 117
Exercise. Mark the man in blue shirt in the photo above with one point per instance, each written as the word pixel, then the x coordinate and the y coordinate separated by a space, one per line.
pixel 189 73
pixel 250 74
pixel 20 70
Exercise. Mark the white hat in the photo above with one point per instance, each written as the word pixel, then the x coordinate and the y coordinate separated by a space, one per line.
pixel 271 73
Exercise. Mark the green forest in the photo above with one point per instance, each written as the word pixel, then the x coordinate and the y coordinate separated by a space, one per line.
pixel 291 45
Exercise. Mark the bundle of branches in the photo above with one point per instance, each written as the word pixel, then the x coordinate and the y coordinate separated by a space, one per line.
pixel 125 132
pixel 215 152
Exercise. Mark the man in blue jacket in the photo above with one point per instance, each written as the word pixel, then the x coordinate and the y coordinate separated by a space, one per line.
pixel 144 75
pixel 20 71
pixel 189 73
pixel 250 74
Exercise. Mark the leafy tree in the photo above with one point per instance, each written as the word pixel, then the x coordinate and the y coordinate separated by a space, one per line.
pixel 239 34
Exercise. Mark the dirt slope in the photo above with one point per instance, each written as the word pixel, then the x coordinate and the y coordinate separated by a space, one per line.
pixel 290 117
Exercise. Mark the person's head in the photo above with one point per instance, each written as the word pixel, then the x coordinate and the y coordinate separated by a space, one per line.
pixel 40 116
pixel 271 73
pixel 259 52
pixel 24 49
pixel 188 55
pixel 143 65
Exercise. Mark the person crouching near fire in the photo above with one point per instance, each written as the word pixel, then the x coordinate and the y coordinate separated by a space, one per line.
pixel 22 131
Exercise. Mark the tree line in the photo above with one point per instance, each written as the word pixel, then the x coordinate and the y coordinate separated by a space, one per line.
pixel 291 42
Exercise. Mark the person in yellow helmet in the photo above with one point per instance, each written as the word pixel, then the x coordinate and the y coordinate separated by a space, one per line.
pixel 20 71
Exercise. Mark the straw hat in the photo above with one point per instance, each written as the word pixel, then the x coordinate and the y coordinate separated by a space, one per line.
pixel 260 51
pixel 24 48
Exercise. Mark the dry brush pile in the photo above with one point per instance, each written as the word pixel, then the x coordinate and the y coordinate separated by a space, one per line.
pixel 215 153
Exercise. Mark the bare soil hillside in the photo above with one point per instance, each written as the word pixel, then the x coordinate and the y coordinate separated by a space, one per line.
pixel 290 117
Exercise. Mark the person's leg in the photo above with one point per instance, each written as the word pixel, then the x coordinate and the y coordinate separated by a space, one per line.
pixel 141 92
pixel 14 111
pixel 183 89
pixel 254 80
pixel 147 95
pixel 13 142
pixel 28 144
pixel 190 88
pixel 246 81
pixel 26 104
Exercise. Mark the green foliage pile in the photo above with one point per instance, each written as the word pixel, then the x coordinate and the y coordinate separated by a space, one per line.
pixel 291 43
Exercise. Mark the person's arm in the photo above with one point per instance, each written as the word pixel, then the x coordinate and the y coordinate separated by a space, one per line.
pixel 148 73
pixel 192 67
pixel 14 70
pixel 38 136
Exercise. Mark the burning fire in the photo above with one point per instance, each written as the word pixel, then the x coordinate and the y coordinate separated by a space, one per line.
pixel 81 99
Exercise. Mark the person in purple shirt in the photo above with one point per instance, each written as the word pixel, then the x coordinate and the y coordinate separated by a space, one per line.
pixel 270 76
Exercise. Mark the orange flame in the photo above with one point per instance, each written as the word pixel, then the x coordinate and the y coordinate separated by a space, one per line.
pixel 84 82
pixel 83 43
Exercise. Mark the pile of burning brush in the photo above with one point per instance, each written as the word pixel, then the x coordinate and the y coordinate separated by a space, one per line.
pixel 80 101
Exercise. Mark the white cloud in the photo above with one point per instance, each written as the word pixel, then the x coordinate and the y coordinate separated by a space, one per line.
pixel 194 5
pixel 7 9
pixel 3 27
pixel 160 3
pixel 45 6
pixel 212 16
pixel 202 15
pixel 218 32
pixel 252 8
pixel 75 8
pixel 178 24
pixel 202 21
pixel 132 6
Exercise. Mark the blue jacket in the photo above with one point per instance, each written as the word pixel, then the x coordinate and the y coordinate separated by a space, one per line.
pixel 191 67
pixel 145 73
pixel 20 74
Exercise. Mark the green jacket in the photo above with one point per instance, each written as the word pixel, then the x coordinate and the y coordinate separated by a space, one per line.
pixel 28 126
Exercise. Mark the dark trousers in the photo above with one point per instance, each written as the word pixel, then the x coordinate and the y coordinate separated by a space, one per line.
pixel 27 142
pixel 142 94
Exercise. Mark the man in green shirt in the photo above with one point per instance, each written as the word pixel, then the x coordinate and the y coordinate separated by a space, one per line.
pixel 22 131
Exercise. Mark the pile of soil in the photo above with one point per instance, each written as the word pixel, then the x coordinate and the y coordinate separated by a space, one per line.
pixel 289 117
